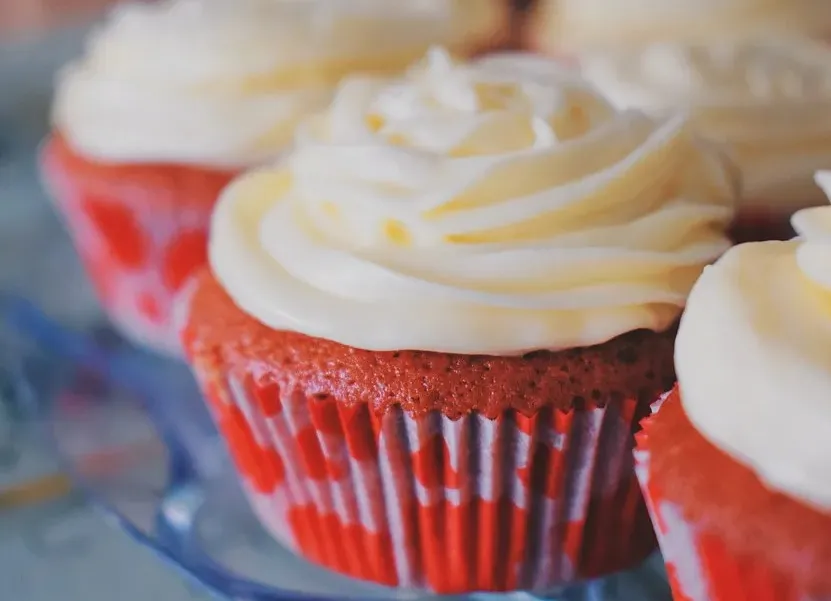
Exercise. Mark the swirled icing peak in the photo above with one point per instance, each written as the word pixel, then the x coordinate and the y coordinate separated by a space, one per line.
pixel 754 356
pixel 494 207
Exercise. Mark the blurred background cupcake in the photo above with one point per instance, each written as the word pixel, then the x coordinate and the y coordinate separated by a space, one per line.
pixel 768 101
pixel 735 462
pixel 429 334
pixel 567 27
pixel 478 26
pixel 172 98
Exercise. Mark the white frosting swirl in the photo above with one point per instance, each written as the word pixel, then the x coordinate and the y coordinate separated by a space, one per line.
pixel 769 101
pixel 579 25
pixel 753 357
pixel 491 208
pixel 224 82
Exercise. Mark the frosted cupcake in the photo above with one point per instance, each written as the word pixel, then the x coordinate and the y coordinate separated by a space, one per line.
pixel 767 101
pixel 735 462
pixel 174 98
pixel 429 334
pixel 565 27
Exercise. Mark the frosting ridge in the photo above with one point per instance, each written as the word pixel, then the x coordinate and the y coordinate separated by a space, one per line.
pixel 496 207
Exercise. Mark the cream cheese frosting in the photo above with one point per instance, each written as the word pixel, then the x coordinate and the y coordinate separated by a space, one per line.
pixel 753 357
pixel 577 25
pixel 225 83
pixel 495 207
pixel 769 101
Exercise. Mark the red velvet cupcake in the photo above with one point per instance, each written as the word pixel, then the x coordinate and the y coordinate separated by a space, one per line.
pixel 141 231
pixel 734 464
pixel 174 98
pixel 429 334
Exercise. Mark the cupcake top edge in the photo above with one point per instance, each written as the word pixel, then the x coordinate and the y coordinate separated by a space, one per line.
pixel 224 83
pixel 494 207
pixel 753 357
pixel 768 99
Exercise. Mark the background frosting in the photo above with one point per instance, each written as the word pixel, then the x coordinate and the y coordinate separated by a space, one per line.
pixel 225 82
pixel 770 101
pixel 496 208
pixel 585 24
pixel 753 357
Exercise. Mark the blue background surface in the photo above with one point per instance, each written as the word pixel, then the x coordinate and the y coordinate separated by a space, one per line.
pixel 61 549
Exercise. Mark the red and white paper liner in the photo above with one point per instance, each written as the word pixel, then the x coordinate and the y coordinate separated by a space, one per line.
pixel 699 564
pixel 140 232
pixel 434 503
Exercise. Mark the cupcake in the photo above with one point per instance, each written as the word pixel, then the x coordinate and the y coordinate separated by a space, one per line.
pixel 767 101
pixel 479 26
pixel 735 461
pixel 429 333
pixel 174 98
pixel 574 26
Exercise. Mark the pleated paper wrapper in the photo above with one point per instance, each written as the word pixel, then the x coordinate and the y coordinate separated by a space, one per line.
pixel 433 503
pixel 140 233
pixel 699 564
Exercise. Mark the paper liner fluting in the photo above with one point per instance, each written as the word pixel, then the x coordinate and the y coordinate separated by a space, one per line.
pixel 432 503
pixel 140 232
pixel 699 565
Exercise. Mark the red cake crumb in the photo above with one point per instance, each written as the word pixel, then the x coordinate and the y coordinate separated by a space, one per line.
pixel 636 365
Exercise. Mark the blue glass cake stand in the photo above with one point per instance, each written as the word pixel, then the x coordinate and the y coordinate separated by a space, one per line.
pixel 132 432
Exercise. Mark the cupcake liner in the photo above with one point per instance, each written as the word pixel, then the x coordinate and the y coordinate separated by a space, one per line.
pixel 699 564
pixel 140 233
pixel 429 502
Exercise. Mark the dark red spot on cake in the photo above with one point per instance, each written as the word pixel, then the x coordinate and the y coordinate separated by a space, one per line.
pixel 627 356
